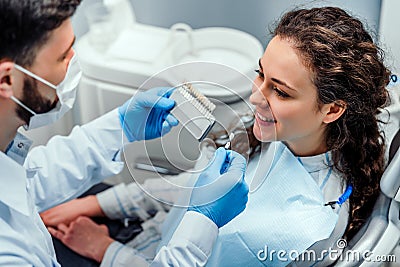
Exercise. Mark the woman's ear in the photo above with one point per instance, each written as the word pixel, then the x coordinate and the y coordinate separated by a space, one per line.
pixel 6 79
pixel 334 110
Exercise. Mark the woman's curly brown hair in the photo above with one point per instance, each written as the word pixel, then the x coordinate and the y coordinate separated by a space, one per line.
pixel 346 66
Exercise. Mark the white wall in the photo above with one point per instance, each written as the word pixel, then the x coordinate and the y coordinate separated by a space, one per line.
pixel 252 16
pixel 390 33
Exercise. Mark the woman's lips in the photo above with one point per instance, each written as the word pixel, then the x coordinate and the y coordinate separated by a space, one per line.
pixel 264 120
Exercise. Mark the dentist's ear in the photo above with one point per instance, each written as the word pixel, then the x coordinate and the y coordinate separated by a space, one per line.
pixel 334 111
pixel 6 79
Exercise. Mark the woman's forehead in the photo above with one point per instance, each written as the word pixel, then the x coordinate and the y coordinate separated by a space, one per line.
pixel 281 61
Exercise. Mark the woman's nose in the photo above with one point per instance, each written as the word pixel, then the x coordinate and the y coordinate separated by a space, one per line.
pixel 258 99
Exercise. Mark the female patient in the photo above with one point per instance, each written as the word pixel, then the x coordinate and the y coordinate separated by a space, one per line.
pixel 320 85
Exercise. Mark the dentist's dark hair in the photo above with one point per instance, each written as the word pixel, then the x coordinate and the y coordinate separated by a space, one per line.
pixel 346 66
pixel 25 25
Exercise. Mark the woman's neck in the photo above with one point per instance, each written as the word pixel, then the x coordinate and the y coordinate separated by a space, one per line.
pixel 307 148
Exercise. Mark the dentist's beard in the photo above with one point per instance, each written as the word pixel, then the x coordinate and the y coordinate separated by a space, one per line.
pixel 33 100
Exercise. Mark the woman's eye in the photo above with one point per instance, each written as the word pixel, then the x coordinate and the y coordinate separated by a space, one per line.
pixel 280 93
pixel 260 74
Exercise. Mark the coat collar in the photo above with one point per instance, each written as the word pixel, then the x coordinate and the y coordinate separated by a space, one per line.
pixel 18 148
pixel 13 190
pixel 13 184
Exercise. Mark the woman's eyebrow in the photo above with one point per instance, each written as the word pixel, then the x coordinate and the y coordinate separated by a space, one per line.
pixel 275 79
pixel 282 83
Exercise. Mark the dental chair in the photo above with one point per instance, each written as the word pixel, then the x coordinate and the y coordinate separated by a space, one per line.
pixel 380 234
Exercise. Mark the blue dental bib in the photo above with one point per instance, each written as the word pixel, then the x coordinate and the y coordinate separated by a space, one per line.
pixel 284 217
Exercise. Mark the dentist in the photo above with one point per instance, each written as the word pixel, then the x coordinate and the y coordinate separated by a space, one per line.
pixel 39 74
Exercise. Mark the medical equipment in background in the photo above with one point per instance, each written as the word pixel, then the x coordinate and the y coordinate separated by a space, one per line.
pixel 115 72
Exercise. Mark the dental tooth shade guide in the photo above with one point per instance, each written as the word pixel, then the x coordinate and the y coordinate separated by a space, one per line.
pixel 193 110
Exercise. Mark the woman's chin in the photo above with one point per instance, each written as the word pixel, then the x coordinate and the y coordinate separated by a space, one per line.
pixel 264 136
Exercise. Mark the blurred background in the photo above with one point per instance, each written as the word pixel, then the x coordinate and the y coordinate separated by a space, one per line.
pixel 251 16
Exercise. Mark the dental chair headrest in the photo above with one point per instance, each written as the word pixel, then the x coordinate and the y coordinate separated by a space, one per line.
pixel 390 181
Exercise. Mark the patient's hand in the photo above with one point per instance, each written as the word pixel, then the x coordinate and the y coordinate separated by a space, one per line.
pixel 69 211
pixel 85 237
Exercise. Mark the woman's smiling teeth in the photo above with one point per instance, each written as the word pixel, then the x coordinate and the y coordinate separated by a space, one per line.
pixel 262 118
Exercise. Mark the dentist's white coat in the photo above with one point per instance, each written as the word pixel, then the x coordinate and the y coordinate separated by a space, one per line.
pixel 62 170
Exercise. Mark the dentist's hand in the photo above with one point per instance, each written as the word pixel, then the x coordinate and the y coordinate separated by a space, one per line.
pixel 225 173
pixel 146 115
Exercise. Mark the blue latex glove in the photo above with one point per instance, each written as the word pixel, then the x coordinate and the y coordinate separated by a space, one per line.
pixel 225 179
pixel 146 115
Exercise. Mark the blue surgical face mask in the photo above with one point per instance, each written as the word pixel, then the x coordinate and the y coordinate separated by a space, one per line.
pixel 66 92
